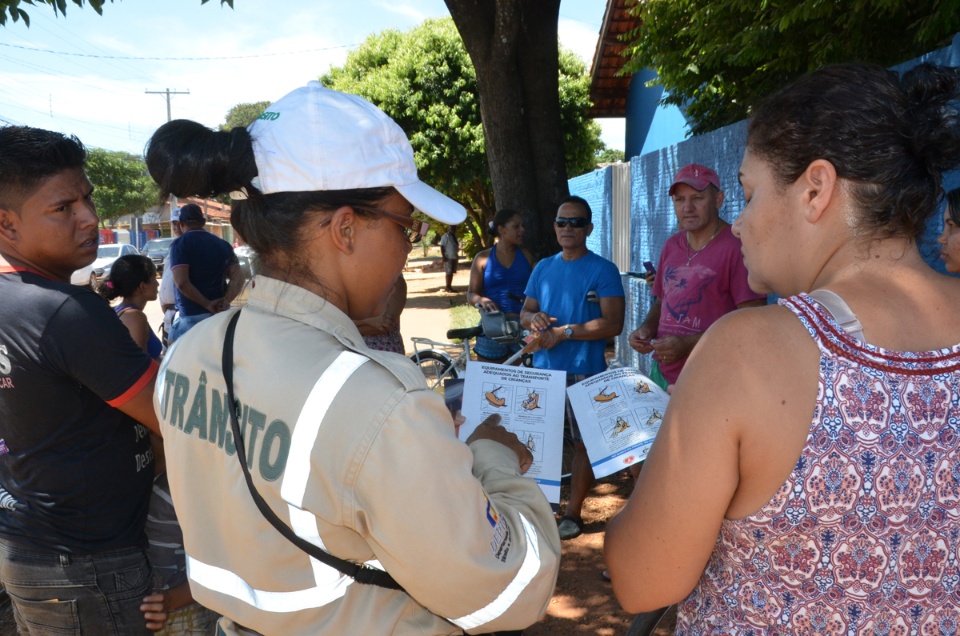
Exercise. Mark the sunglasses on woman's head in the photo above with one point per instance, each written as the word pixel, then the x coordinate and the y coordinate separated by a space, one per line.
pixel 576 222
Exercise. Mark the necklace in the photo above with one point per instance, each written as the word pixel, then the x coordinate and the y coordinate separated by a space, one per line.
pixel 690 256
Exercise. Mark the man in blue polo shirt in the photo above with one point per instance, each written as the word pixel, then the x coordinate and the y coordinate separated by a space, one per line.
pixel 205 270
pixel 575 301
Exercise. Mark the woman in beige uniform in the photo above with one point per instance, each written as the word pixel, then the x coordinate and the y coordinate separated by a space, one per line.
pixel 345 445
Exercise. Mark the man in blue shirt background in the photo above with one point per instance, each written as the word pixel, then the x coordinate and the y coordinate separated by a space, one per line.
pixel 575 300
pixel 205 270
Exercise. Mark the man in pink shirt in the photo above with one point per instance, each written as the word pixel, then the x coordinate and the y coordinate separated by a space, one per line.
pixel 700 276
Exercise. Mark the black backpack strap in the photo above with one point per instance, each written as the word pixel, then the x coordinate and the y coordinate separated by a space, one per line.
pixel 359 572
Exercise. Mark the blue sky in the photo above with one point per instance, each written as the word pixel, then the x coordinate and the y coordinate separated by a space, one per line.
pixel 85 74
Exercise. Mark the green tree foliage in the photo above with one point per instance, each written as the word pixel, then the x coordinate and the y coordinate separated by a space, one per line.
pixel 721 57
pixel 121 183
pixel 242 115
pixel 609 155
pixel 425 81
pixel 15 7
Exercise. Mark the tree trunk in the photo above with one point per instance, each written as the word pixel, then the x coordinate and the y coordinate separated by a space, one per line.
pixel 514 48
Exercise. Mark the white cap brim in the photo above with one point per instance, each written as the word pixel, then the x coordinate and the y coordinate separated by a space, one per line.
pixel 432 203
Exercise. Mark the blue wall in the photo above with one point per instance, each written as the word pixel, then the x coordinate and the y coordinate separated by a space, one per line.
pixel 652 218
pixel 595 187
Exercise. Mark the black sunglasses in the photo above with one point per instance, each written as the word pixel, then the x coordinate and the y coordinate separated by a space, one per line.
pixel 576 222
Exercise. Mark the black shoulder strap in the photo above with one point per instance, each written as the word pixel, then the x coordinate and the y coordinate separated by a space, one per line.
pixel 357 571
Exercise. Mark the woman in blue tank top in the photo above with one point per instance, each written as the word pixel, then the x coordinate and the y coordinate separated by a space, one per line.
pixel 133 279
pixel 498 277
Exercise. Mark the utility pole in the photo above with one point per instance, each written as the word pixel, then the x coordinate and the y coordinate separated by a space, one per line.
pixel 168 93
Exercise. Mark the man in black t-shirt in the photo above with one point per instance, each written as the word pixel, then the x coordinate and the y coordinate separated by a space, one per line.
pixel 76 465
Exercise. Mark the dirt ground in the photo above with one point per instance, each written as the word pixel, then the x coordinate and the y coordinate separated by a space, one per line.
pixel 583 602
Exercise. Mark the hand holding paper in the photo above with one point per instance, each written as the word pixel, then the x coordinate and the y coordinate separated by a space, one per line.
pixel 490 429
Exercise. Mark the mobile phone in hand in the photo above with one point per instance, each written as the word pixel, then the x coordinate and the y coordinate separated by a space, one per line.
pixel 647 265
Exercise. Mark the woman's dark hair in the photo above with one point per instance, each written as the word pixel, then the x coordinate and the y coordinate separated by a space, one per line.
pixel 127 274
pixel 501 218
pixel 890 137
pixel 188 159
pixel 953 205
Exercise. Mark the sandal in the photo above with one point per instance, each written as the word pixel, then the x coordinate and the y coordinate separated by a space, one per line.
pixel 570 527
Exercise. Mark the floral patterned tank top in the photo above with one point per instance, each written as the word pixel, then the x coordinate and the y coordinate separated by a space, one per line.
pixel 864 536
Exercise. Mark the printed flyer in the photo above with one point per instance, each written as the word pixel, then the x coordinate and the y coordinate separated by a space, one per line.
pixel 619 413
pixel 530 403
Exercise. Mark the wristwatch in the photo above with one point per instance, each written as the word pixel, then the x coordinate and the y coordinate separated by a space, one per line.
pixel 568 332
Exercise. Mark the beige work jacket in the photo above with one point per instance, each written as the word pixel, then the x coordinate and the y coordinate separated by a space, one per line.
pixel 351 450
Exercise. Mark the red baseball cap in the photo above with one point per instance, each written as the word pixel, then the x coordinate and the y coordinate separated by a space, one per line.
pixel 697 177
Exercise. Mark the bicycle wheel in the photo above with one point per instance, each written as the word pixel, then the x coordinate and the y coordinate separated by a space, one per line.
pixel 434 365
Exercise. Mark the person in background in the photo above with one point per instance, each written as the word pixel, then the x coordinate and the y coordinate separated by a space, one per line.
pixel 949 239
pixel 805 479
pixel 205 271
pixel 133 279
pixel 575 302
pixel 168 289
pixel 383 332
pixel 339 436
pixel 75 407
pixel 700 276
pixel 450 252
pixel 498 278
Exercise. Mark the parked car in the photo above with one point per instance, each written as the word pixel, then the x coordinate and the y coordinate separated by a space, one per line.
pixel 156 250
pixel 107 254
pixel 247 259
pixel 93 274
pixel 85 277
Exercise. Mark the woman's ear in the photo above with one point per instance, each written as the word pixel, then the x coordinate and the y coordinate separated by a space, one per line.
pixel 819 183
pixel 342 227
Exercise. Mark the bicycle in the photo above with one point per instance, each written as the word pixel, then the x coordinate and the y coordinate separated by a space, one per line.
pixel 440 361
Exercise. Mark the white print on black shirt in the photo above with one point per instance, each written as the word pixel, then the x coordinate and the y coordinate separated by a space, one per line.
pixel 5 368
pixel 6 499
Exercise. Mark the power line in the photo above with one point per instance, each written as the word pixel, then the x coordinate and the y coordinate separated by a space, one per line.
pixel 176 59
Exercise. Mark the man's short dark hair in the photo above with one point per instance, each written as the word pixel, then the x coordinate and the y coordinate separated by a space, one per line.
pixel 574 199
pixel 29 156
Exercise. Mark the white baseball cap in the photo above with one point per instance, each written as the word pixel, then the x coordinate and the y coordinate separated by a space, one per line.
pixel 316 138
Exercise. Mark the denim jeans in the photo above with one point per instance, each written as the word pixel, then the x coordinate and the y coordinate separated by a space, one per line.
pixel 182 324
pixel 58 593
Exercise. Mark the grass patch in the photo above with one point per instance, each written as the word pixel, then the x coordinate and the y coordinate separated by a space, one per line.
pixel 463 316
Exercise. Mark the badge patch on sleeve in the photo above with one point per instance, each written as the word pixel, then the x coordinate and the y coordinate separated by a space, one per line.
pixel 500 543
pixel 492 515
